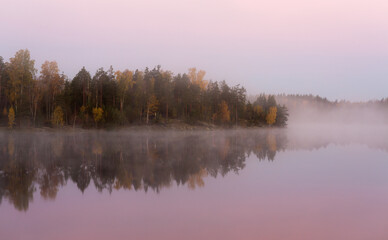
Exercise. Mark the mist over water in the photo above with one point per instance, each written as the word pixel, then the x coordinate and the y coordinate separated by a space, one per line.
pixel 71 71
pixel 338 123
pixel 306 181
pixel 321 135
pixel 337 114
pixel 124 160
pixel 145 160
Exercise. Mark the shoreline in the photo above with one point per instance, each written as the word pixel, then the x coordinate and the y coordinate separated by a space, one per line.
pixel 176 126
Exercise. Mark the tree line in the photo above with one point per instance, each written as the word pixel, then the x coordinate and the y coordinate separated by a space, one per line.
pixel 29 97
pixel 316 109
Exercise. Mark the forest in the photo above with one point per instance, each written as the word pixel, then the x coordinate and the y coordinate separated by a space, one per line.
pixel 34 98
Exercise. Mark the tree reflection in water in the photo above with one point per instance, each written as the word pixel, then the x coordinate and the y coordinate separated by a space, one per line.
pixel 44 162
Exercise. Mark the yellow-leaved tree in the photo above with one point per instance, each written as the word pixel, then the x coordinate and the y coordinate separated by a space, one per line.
pixel 51 84
pixel 57 119
pixel 271 116
pixel 11 118
pixel 21 72
pixel 223 114
pixel 198 78
pixel 152 106
pixel 97 115
pixel 124 83
pixel 259 111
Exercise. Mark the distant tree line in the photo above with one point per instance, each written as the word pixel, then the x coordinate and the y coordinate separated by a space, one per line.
pixel 316 109
pixel 110 98
pixel 303 100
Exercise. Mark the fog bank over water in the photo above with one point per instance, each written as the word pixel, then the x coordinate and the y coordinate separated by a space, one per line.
pixel 44 162
pixel 315 110
pixel 339 116
pixel 317 135
pixel 258 181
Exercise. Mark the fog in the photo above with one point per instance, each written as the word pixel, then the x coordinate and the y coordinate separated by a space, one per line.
pixel 312 127
pixel 315 136
pixel 340 116
pixel 145 160
pixel 314 110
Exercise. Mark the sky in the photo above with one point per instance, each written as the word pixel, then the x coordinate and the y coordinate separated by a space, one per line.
pixel 335 48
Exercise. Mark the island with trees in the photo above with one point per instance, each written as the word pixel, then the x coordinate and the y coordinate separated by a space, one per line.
pixel 47 97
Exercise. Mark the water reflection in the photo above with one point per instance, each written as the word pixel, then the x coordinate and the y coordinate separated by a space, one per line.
pixel 45 162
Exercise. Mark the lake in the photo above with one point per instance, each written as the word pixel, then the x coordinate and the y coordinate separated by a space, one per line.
pixel 303 182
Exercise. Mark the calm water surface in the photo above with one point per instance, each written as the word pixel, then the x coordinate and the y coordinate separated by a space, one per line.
pixel 266 184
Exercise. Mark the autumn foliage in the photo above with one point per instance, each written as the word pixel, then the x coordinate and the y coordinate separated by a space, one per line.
pixel 113 97
pixel 58 117
pixel 11 118
pixel 223 116
pixel 98 115
pixel 271 116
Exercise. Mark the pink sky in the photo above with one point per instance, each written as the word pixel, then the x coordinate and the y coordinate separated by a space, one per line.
pixel 335 48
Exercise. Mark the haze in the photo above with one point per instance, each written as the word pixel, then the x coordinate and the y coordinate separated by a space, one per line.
pixel 334 48
pixel 297 184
